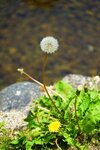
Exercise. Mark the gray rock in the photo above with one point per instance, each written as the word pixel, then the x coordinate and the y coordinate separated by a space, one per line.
pixel 75 79
pixel 18 95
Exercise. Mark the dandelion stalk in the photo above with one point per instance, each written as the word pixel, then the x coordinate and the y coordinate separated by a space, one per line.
pixel 21 70
pixel 49 45
pixel 43 76
pixel 43 69
pixel 76 114
pixel 56 141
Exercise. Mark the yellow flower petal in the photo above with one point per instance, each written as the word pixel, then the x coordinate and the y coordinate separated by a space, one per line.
pixel 54 126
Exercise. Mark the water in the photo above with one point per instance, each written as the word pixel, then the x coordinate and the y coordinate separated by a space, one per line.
pixel 23 23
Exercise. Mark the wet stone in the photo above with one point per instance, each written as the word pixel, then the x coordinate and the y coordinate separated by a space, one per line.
pixel 18 95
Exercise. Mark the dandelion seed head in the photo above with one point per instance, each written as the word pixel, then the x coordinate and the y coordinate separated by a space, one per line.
pixel 49 44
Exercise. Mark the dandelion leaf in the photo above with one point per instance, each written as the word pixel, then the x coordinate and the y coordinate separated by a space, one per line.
pixel 63 88
pixel 92 117
pixel 29 145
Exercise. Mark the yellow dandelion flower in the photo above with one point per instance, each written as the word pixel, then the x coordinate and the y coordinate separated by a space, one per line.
pixel 54 126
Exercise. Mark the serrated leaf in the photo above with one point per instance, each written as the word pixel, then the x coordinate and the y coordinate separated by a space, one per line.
pixel 63 88
pixel 91 118
pixel 94 94
pixel 95 110
pixel 29 117
pixel 16 141
pixel 36 132
pixel 38 141
pixel 69 139
pixel 32 124
pixel 28 145
pixel 84 104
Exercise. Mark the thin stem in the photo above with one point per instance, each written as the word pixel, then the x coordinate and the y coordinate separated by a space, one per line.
pixel 43 69
pixel 43 76
pixel 76 114
pixel 42 108
pixel 57 94
pixel 52 100
pixel 32 78
pixel 40 84
pixel 38 120
pixel 56 141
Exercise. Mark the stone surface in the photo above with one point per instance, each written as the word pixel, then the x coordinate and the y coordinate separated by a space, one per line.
pixel 75 79
pixel 18 95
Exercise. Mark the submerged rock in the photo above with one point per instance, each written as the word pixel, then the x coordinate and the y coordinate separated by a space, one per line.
pixel 18 95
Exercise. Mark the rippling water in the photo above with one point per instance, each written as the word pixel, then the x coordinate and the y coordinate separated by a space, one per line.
pixel 23 23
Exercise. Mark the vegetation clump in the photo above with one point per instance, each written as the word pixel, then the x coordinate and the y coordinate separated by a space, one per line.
pixel 77 125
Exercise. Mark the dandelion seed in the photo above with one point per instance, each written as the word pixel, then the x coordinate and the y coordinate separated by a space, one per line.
pixel 54 126
pixel 49 44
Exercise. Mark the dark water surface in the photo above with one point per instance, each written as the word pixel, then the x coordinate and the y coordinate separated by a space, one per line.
pixel 23 23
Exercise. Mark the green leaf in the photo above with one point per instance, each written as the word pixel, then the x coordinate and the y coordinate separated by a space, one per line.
pixel 69 139
pixel 95 110
pixel 32 124
pixel 29 145
pixel 38 141
pixel 49 138
pixel 16 141
pixel 91 118
pixel 87 125
pixel 84 104
pixel 63 88
pixel 29 117
pixel 81 147
pixel 36 132
pixel 94 94
pixel 2 124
